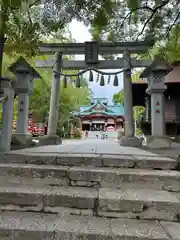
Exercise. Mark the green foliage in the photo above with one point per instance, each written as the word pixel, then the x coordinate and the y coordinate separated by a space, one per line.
pixel 169 49
pixel 133 19
pixel 138 112
pixel 23 35
pixel 119 97
pixel 101 19
pixel 138 131
pixel 140 19
pixel 136 76
pixel 26 22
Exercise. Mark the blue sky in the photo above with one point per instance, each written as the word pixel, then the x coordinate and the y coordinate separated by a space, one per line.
pixel 81 34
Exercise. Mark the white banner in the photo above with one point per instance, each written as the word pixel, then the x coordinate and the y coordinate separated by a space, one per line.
pixel 98 121
pixel 85 122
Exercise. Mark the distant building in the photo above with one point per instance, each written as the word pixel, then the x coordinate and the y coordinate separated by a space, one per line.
pixel 99 115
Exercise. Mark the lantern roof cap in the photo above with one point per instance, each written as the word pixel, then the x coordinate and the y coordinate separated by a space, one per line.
pixel 22 66
pixel 158 65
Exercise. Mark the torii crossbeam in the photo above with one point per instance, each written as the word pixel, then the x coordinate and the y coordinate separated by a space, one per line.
pixel 104 47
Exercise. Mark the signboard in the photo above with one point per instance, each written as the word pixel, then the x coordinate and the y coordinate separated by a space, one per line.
pixel 91 52
pixel 98 121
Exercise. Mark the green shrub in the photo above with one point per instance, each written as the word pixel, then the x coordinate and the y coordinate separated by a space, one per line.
pixel 138 131
pixel 77 133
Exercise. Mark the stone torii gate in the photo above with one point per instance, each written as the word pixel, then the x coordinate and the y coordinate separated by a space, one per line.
pixel 91 51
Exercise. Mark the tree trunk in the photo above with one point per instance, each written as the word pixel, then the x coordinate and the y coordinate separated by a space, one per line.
pixel 1 52
pixel 3 19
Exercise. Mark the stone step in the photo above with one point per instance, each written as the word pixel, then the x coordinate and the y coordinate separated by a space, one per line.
pixel 74 200
pixel 125 178
pixel 39 226
pixel 33 175
pixel 117 203
pixel 139 204
pixel 51 175
pixel 99 160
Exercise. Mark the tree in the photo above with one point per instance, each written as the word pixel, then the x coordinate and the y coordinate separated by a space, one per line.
pixel 140 19
pixel 133 18
pixel 119 97
pixel 25 22
pixel 169 49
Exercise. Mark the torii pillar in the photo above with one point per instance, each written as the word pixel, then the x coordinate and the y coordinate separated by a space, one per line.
pixel 129 139
pixel 55 96
pixel 51 138
pixel 155 74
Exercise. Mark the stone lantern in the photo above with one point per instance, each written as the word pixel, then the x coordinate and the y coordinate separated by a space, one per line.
pixel 155 74
pixel 25 76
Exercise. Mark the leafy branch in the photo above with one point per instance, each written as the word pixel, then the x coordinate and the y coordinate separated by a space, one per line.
pixel 173 24
pixel 154 11
pixel 133 10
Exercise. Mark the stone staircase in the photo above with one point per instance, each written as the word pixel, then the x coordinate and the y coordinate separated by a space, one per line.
pixel 86 196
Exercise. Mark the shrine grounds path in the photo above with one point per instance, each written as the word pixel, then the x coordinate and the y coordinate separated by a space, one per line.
pixel 97 146
pixel 87 146
pixel 173 152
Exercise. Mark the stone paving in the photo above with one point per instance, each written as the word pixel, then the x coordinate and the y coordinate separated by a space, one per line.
pixel 88 146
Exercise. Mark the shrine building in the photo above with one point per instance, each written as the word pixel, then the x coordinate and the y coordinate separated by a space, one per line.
pixel 171 102
pixel 100 115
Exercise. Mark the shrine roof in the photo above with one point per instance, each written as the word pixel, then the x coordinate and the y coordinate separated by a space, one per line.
pixel 113 110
